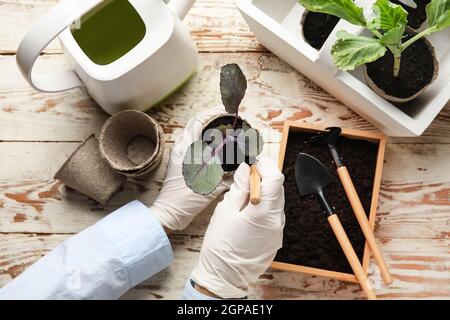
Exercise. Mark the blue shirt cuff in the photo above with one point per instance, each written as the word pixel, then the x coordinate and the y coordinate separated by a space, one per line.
pixel 140 240
pixel 191 294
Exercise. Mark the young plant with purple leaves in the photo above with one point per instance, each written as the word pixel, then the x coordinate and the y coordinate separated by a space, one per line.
pixel 203 163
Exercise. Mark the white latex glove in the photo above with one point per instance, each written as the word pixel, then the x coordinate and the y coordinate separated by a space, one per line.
pixel 242 239
pixel 177 205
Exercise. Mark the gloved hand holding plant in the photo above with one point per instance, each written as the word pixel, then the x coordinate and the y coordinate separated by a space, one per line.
pixel 177 205
pixel 212 144
pixel 390 38
pixel 242 239
pixel 227 140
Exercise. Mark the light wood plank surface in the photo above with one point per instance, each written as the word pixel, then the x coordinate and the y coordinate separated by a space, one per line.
pixel 38 131
pixel 418 276
pixel 275 92
pixel 216 26
pixel 414 197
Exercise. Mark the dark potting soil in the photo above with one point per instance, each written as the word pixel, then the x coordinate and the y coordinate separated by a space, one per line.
pixel 416 16
pixel 308 238
pixel 317 27
pixel 229 164
pixel 416 70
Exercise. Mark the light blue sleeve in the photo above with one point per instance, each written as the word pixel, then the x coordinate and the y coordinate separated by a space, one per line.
pixel 102 262
pixel 191 294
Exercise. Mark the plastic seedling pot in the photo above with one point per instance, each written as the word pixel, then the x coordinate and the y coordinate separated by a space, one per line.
pixel 277 25
pixel 132 143
pixel 87 172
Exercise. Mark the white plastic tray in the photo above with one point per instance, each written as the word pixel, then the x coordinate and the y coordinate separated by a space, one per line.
pixel 277 26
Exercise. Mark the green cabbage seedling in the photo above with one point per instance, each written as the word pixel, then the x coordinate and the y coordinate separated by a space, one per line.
pixel 388 25
pixel 202 165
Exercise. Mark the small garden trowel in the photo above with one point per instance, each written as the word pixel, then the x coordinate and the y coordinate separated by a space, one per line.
pixel 329 139
pixel 312 177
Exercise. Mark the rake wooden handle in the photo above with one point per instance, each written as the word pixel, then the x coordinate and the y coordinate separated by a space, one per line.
pixel 361 216
pixel 255 185
pixel 351 255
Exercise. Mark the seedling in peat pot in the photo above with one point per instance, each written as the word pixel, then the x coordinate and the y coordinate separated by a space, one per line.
pixel 227 140
pixel 388 26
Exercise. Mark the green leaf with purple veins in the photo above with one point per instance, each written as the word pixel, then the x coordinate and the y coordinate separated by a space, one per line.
pixel 202 169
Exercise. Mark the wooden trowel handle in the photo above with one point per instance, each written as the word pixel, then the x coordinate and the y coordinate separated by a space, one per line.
pixel 361 216
pixel 255 185
pixel 351 255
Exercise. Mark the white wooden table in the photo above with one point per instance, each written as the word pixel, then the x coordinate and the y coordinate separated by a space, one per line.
pixel 38 131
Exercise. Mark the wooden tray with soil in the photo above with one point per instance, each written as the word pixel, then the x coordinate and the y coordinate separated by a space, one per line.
pixel 309 245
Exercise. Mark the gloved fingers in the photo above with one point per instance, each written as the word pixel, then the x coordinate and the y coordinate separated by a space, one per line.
pixel 240 244
pixel 271 179
pixel 269 213
pixel 265 219
pixel 192 133
pixel 269 171
pixel 237 197
pixel 228 179
pixel 224 185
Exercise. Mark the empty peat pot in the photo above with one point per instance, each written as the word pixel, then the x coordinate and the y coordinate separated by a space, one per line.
pixel 132 143
pixel 87 172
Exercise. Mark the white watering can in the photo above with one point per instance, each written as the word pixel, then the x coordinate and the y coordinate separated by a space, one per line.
pixel 127 54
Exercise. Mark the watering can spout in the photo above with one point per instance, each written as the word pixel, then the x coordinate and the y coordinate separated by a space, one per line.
pixel 180 7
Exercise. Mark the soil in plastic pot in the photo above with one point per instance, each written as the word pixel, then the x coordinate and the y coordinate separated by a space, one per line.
pixel 228 165
pixel 317 27
pixel 308 239
pixel 416 70
pixel 416 16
